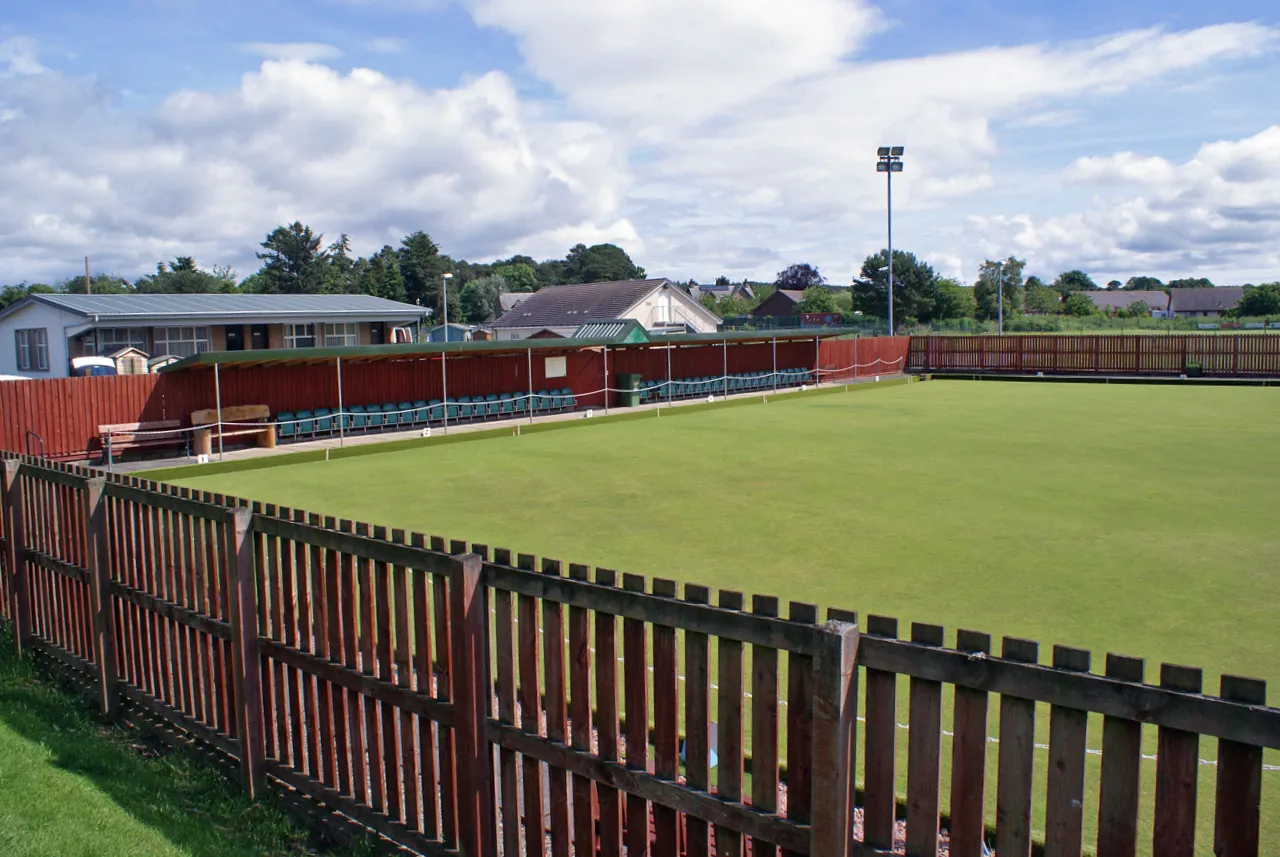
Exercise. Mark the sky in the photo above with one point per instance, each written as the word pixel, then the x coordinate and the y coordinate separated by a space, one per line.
pixel 707 137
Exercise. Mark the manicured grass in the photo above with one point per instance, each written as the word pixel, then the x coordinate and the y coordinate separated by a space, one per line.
pixel 72 787
pixel 1131 519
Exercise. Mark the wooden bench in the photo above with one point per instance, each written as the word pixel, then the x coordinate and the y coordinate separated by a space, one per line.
pixel 118 438
pixel 240 414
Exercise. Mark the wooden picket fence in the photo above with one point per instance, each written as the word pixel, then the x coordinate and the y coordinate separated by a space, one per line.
pixel 424 688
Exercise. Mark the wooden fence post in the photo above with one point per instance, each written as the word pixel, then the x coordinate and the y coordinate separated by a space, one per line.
pixel 20 608
pixel 835 711
pixel 477 833
pixel 238 578
pixel 104 625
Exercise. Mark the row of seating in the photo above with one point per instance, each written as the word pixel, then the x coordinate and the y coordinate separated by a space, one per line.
pixel 742 382
pixel 420 413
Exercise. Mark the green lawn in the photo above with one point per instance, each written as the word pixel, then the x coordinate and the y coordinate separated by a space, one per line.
pixel 72 787
pixel 1132 519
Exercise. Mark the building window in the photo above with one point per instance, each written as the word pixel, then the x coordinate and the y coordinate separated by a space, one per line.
pixel 181 341
pixel 112 339
pixel 299 336
pixel 340 334
pixel 33 349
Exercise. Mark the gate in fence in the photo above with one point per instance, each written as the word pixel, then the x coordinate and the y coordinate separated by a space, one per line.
pixel 460 700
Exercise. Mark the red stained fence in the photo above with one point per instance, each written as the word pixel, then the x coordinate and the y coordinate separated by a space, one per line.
pixel 378 672
pixel 59 418
pixel 1215 355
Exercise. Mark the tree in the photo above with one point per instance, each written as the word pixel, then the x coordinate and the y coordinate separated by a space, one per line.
pixel 1263 300
pixel 602 263
pixel 817 299
pixel 519 277
pixel 798 278
pixel 293 263
pixel 1143 284
pixel 550 273
pixel 1137 309
pixel 421 266
pixel 1078 305
pixel 954 300
pixel 1115 284
pixel 100 284
pixel 340 275
pixel 1040 298
pixel 183 276
pixel 380 276
pixel 1191 283
pixel 992 277
pixel 915 287
pixel 1074 281
pixel 722 280
pixel 479 298
pixel 13 294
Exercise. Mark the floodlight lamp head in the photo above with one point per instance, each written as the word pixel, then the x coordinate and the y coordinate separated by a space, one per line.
pixel 882 167
pixel 883 151
pixel 896 151
pixel 895 167
pixel 447 276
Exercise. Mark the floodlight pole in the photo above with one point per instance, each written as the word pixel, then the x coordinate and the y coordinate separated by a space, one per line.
pixel 889 214
pixel 890 162
pixel 606 380
pixel 342 431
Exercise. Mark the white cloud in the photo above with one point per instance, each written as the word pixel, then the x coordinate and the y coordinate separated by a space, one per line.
pixel 19 53
pixel 300 51
pixel 793 170
pixel 209 173
pixel 658 63
pixel 1048 119
pixel 1217 212
pixel 384 45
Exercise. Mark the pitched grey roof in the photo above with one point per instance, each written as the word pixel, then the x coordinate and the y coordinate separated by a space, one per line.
pixel 141 307
pixel 1217 299
pixel 1118 299
pixel 510 300
pixel 570 306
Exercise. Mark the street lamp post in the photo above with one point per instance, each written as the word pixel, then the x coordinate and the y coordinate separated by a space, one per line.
pixel 890 162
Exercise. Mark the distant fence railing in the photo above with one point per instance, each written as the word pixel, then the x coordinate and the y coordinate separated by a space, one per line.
pixel 1238 355
pixel 423 687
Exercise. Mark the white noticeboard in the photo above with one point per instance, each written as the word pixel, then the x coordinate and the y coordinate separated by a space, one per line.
pixel 556 367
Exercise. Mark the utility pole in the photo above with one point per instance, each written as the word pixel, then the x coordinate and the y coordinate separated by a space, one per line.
pixel 87 288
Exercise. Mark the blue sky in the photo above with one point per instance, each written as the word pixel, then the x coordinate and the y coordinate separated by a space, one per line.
pixel 705 136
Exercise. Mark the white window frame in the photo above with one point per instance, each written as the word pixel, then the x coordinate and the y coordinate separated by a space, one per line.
pixel 341 335
pixel 32 344
pixel 182 341
pixel 134 337
pixel 296 335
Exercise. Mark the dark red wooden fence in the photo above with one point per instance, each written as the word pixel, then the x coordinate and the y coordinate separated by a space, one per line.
pixel 353 665
pixel 1210 355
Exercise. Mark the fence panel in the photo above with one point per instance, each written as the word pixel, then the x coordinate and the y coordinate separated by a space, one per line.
pixel 1211 355
pixel 661 814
